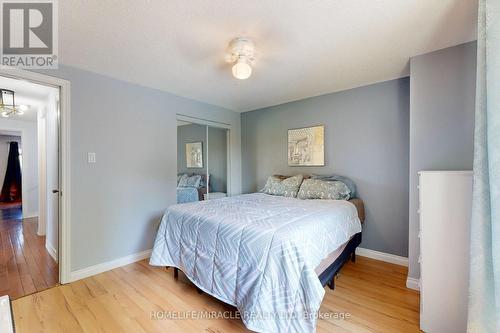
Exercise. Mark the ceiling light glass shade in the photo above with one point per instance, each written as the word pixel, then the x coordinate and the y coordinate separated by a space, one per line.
pixel 242 69
pixel 7 98
pixel 8 105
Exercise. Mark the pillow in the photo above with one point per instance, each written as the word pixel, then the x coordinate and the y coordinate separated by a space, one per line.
pixel 323 189
pixel 193 181
pixel 182 180
pixel 189 181
pixel 203 181
pixel 179 176
pixel 348 182
pixel 288 187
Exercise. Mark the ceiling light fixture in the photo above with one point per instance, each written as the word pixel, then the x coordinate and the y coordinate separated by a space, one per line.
pixel 242 55
pixel 8 105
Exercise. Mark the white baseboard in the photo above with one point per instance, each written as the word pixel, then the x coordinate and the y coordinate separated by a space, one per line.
pixel 391 258
pixel 52 251
pixel 109 265
pixel 30 215
pixel 413 283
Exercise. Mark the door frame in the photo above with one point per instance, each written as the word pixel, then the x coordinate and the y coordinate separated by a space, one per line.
pixel 64 251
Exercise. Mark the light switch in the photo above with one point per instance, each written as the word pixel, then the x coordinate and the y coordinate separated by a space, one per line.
pixel 91 157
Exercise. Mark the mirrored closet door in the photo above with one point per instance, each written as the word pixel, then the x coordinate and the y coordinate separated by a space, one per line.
pixel 202 162
pixel 217 162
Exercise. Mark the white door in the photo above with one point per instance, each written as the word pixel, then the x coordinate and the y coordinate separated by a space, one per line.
pixel 52 174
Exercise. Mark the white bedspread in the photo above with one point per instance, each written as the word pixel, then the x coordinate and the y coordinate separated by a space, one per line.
pixel 257 252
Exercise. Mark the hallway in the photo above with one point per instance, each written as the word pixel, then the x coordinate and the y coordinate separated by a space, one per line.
pixel 25 264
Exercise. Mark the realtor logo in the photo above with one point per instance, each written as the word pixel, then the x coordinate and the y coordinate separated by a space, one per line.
pixel 29 33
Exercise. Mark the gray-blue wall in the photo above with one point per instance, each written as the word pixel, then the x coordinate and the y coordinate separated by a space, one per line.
pixel 443 87
pixel 217 159
pixel 366 139
pixel 116 203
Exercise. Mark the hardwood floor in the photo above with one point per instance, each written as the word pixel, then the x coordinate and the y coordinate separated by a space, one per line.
pixel 25 264
pixel 371 295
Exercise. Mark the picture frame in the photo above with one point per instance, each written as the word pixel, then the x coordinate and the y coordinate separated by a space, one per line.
pixel 306 146
pixel 194 154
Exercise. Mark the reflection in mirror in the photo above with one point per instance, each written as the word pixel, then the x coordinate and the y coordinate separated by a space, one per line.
pixel 202 162
pixel 192 184
pixel 217 162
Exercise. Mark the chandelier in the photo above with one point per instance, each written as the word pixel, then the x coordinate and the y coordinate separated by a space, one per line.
pixel 8 105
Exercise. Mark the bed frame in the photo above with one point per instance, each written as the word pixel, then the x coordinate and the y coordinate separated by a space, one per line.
pixel 328 276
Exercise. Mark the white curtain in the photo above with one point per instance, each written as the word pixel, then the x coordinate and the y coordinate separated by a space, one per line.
pixel 484 290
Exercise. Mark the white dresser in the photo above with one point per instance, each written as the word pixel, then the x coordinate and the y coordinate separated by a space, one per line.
pixel 445 211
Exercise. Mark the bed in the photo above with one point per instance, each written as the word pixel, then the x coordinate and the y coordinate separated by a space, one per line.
pixel 261 253
pixel 187 194
pixel 192 193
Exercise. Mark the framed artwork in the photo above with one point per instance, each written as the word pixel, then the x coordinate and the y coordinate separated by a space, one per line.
pixel 306 146
pixel 194 155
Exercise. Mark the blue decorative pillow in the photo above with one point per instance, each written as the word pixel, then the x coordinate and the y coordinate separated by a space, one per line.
pixel 288 187
pixel 323 189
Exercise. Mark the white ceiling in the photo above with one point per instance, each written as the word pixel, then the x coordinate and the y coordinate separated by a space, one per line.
pixel 27 93
pixel 305 48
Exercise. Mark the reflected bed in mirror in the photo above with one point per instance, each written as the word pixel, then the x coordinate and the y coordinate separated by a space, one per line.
pixel 202 161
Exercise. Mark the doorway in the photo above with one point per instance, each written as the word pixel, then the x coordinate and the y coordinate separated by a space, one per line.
pixel 29 224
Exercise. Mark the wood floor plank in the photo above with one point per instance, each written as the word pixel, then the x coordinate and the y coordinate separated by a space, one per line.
pixel 4 282
pixel 25 264
pixel 371 295
pixel 32 264
pixel 86 319
pixel 28 284
pixel 30 321
pixel 15 285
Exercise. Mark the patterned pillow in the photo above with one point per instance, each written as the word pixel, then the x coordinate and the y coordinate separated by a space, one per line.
pixel 183 180
pixel 193 181
pixel 190 181
pixel 348 182
pixel 179 177
pixel 323 189
pixel 288 187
